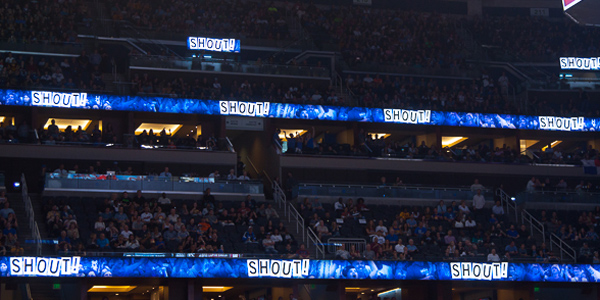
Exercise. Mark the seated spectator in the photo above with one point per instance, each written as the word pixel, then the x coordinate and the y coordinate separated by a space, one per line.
pixel 249 236
pixel 498 210
pixel 368 254
pixel 400 250
pixel 302 252
pixel 493 256
pixel 270 212
pixel 512 233
pixel 512 249
pixel 470 223
pixel 411 247
pixel 269 245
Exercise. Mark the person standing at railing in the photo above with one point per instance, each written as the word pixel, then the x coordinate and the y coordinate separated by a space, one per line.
pixel 478 201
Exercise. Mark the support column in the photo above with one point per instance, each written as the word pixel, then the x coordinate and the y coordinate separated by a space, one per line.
pixel 438 137
pixel 178 289
pixel 341 291
pixel 194 289
pixel 443 291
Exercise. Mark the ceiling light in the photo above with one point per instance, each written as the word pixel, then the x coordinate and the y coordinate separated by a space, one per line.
pixel 378 135
pixel 158 127
pixel 216 289
pixel 111 288
pixel 449 141
pixel 64 123
pixel 285 133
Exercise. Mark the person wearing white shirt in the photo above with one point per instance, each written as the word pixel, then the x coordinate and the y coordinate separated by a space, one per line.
pixel 476 186
pixel 530 185
pixel 400 248
pixel 126 232
pixel 244 176
pixel 381 228
pixel 464 208
pixel 163 199
pixel 498 210
pixel 276 237
pixel 493 256
pixel 231 175
pixel 478 201
pixel 61 170
pixel 470 223
pixel 146 215
pixel 458 224
pixel 339 206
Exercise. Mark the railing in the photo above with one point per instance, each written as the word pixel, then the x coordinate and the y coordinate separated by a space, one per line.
pixel 558 196
pixel 527 218
pixel 201 64
pixel 536 226
pixel 508 204
pixel 314 239
pixel 419 192
pixel 308 235
pixel 149 183
pixel 29 212
pixel 360 245
pixel 564 248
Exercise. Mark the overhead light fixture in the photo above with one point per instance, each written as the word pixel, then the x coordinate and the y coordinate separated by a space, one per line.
pixel 525 144
pixel 285 133
pixel 378 135
pixel 389 293
pixel 2 119
pixel 64 123
pixel 449 141
pixel 111 288
pixel 158 127
pixel 216 289
pixel 353 289
pixel 553 144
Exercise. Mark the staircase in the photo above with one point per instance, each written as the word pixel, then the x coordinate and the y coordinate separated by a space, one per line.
pixel 25 231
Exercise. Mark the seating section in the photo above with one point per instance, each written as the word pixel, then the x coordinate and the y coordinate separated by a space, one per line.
pixel 122 224
pixel 9 228
pixel 421 233
pixel 579 228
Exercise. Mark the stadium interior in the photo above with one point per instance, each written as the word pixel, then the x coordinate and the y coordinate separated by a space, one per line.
pixel 168 149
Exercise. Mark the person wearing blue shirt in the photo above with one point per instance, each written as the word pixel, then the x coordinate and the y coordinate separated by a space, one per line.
pixel 102 242
pixel 166 173
pixel 421 230
pixel 249 236
pixel 392 236
pixel 441 208
pixel 411 222
pixel 512 249
pixel 450 215
pixel 512 232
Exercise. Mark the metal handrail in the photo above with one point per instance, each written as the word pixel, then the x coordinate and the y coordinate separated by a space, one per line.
pixel 404 187
pixel 319 247
pixel 230 145
pixel 563 246
pixel 29 212
pixel 300 225
pixel 506 200
pixel 533 223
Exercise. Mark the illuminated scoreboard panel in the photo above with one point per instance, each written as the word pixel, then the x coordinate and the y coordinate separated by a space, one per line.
pixel 191 267
pixel 296 111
